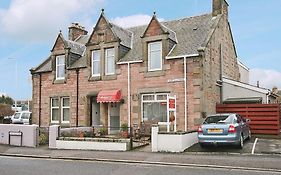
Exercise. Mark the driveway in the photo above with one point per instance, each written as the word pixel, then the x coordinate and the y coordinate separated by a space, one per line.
pixel 262 146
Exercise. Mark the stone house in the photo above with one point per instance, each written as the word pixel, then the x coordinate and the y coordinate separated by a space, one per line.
pixel 115 75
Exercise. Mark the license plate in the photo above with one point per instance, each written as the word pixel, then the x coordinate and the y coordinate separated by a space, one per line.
pixel 215 130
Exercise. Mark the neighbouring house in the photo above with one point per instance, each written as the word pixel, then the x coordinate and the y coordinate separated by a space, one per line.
pixel 244 72
pixel 116 75
pixel 241 92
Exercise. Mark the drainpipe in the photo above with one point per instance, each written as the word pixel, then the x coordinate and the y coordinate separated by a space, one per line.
pixel 77 95
pixel 185 94
pixel 221 74
pixel 267 97
pixel 129 96
pixel 40 96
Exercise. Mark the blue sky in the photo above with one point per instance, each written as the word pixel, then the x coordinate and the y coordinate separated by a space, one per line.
pixel 29 29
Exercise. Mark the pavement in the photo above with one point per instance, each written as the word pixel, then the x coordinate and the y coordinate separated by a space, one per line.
pixel 263 148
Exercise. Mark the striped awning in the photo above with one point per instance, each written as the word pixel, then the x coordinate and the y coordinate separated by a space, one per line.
pixel 109 96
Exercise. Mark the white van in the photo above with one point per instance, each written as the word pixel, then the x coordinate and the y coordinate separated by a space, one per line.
pixel 23 117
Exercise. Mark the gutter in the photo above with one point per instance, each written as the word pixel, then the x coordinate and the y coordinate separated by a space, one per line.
pixel 182 56
pixel 129 62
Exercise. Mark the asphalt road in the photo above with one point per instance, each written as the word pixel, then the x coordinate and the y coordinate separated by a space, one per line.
pixel 31 166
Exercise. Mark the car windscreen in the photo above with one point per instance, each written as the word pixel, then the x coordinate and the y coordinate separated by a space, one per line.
pixel 17 116
pixel 223 119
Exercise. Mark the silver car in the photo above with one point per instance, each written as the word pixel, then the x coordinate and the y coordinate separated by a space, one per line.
pixel 23 117
pixel 224 129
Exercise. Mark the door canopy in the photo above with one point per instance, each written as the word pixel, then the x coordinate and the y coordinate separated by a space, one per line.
pixel 109 96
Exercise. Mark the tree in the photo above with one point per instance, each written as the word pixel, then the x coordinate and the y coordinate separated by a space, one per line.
pixel 6 100
pixel 5 110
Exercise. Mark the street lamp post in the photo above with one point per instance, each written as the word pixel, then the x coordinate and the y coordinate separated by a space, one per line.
pixel 16 78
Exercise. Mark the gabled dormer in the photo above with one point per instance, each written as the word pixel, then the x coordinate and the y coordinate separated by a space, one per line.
pixel 157 41
pixel 59 54
pixel 102 32
pixel 106 45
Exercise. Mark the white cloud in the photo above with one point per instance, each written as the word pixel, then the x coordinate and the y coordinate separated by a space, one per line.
pixel 267 78
pixel 134 20
pixel 33 20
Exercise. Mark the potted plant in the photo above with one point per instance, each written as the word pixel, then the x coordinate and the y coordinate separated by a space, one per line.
pixel 102 131
pixel 124 130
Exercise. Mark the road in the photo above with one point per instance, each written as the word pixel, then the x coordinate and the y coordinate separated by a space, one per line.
pixel 35 166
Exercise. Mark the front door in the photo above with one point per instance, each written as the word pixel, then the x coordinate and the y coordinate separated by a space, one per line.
pixel 114 117
pixel 95 112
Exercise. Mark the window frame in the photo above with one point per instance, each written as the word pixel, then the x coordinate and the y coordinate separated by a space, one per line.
pixel 62 109
pixel 106 61
pixel 152 101
pixel 149 56
pixel 92 63
pixel 60 65
pixel 54 107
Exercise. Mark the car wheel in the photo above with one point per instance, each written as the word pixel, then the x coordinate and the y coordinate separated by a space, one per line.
pixel 249 136
pixel 241 142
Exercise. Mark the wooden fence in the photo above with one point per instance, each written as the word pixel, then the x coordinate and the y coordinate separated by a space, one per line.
pixel 265 118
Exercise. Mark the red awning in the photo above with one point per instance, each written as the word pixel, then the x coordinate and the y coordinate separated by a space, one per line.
pixel 109 96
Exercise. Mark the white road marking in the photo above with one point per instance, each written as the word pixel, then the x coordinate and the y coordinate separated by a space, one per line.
pixel 254 146
pixel 161 164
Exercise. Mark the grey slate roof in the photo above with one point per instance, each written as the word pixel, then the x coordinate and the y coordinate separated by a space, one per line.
pixel 81 62
pixel 172 34
pixel 124 35
pixel 75 47
pixel 190 33
pixel 83 39
pixel 46 66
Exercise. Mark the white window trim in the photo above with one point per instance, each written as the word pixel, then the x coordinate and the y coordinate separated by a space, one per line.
pixel 92 60
pixel 106 61
pixel 149 60
pixel 56 107
pixel 151 101
pixel 64 107
pixel 60 65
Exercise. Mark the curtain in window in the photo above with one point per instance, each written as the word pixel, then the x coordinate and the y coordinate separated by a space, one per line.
pixel 96 63
pixel 109 61
pixel 55 109
pixel 60 65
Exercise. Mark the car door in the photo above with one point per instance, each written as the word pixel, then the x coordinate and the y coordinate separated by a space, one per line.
pixel 25 118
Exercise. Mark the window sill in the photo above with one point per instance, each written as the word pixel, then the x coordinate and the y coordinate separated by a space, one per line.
pixel 95 78
pixel 155 73
pixel 65 124
pixel 59 81
pixel 55 123
pixel 109 77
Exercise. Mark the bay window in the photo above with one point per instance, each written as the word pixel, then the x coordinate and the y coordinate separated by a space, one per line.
pixel 154 56
pixel 154 107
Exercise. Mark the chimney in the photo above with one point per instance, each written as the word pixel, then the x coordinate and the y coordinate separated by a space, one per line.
pixel 76 30
pixel 220 7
